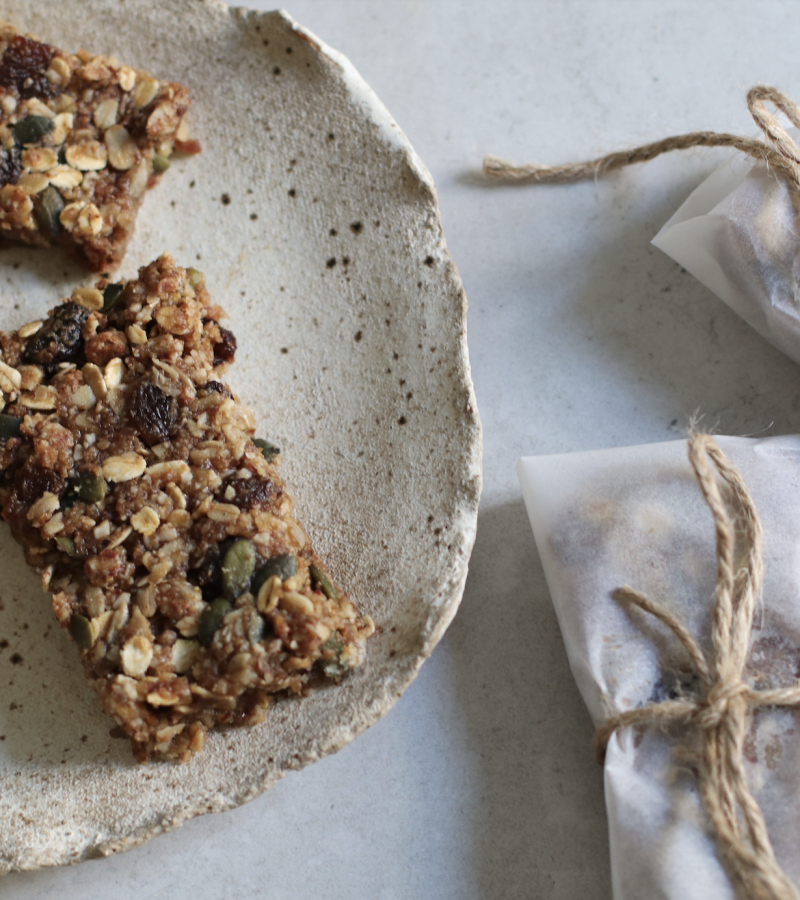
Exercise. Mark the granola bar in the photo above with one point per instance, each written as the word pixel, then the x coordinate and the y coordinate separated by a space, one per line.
pixel 81 139
pixel 159 525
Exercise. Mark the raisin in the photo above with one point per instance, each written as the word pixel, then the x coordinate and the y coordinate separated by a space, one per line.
pixel 247 493
pixel 213 387
pixel 30 483
pixel 225 350
pixel 59 339
pixel 10 166
pixel 23 67
pixel 153 413
pixel 33 480
pixel 208 575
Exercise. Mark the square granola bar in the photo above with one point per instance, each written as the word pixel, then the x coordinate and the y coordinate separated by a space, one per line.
pixel 82 137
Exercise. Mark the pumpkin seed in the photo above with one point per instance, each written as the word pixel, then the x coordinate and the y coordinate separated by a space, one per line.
pixel 332 667
pixel 195 277
pixel 269 450
pixel 9 426
pixel 284 566
pixel 160 163
pixel 32 129
pixel 82 631
pixel 89 487
pixel 111 296
pixel 320 580
pixel 211 619
pixel 47 206
pixel 66 545
pixel 238 567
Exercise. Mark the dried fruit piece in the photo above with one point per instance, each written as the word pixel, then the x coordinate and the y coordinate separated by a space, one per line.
pixel 152 413
pixel 225 349
pixel 10 166
pixel 59 339
pixel 23 68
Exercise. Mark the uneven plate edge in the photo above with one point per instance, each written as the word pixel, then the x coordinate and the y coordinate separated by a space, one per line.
pixel 451 589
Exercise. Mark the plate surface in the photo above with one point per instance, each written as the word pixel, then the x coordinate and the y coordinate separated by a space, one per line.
pixel 317 227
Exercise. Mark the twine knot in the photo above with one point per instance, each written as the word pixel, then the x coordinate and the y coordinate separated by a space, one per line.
pixel 715 708
pixel 724 708
pixel 778 150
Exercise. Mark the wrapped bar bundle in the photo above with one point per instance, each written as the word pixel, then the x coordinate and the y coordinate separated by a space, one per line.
pixel 738 232
pixel 654 562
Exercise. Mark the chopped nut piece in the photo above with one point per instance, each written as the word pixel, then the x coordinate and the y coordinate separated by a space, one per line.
pixel 83 397
pixel 119 536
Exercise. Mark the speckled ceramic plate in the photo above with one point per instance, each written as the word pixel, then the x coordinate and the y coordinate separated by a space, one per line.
pixel 317 227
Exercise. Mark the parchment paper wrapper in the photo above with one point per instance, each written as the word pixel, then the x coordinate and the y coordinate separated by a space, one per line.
pixel 636 516
pixel 737 235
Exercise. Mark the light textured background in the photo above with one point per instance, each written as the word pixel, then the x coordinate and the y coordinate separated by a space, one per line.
pixel 480 783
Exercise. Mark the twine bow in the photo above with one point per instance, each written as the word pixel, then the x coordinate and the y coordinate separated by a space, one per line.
pixel 725 704
pixel 777 150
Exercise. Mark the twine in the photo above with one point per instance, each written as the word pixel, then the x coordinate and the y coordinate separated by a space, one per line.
pixel 724 708
pixel 777 150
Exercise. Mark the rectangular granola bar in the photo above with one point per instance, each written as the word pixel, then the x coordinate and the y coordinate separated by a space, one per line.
pixel 81 139
pixel 161 528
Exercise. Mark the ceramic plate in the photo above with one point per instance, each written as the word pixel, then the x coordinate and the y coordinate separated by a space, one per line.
pixel 317 227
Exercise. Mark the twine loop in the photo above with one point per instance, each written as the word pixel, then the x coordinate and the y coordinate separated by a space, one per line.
pixel 778 150
pixel 724 707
